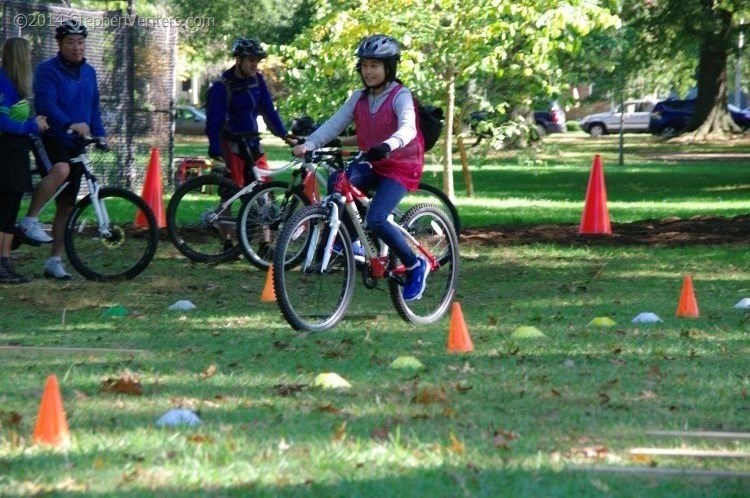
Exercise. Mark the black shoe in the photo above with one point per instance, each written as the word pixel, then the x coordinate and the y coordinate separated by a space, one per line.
pixel 8 275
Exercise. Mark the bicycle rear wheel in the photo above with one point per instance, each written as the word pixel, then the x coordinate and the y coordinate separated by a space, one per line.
pixel 262 216
pixel 121 253
pixel 434 232
pixel 199 226
pixel 311 299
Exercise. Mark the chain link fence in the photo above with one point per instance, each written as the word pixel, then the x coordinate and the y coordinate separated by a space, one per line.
pixel 135 64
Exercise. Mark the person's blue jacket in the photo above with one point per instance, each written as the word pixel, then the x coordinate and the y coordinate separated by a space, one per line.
pixel 250 99
pixel 66 94
pixel 15 116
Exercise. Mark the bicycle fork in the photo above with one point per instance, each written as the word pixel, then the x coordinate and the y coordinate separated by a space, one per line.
pixel 99 209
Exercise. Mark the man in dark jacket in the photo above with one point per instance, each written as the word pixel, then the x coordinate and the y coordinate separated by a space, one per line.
pixel 234 103
pixel 66 91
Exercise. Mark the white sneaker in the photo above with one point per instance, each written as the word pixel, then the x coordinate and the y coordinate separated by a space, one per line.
pixel 32 229
pixel 54 268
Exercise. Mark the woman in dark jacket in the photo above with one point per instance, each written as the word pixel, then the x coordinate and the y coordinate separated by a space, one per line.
pixel 16 123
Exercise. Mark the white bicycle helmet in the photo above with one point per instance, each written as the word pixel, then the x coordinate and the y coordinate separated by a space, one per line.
pixel 70 27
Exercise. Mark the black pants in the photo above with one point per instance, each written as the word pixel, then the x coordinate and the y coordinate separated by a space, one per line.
pixel 10 204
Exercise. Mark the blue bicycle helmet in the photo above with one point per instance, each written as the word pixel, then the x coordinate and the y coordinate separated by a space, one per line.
pixel 70 27
pixel 243 47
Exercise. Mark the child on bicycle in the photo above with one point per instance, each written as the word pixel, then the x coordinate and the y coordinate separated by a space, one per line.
pixel 384 114
pixel 234 103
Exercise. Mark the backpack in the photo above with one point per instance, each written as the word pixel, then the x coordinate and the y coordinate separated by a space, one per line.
pixel 430 123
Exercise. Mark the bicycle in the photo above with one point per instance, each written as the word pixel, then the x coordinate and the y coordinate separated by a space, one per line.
pixel 265 209
pixel 210 219
pixel 202 213
pixel 102 239
pixel 314 283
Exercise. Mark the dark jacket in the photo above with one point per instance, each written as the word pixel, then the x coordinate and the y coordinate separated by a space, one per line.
pixel 250 99
pixel 67 93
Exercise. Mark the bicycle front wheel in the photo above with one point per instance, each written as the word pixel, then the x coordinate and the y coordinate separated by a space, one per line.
pixel 311 297
pixel 199 223
pixel 119 251
pixel 262 216
pixel 432 229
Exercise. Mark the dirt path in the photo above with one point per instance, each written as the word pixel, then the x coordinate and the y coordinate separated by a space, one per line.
pixel 699 230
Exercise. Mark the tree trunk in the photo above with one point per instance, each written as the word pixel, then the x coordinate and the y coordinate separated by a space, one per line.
pixel 711 117
pixel 465 167
pixel 448 156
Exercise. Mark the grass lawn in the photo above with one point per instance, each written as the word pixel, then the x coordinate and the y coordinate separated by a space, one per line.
pixel 550 416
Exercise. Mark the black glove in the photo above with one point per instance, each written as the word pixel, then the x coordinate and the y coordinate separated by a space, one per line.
pixel 378 152
pixel 101 144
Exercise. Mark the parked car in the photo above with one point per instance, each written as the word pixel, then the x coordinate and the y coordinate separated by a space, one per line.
pixel 189 120
pixel 550 121
pixel 670 117
pixel 634 115
pixel 547 121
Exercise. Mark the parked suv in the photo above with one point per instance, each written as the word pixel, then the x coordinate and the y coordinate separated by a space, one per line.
pixel 547 121
pixel 550 121
pixel 633 113
pixel 670 117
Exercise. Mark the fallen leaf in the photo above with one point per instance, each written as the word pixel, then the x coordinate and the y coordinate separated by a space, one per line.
pixel 127 383
pixel 10 419
pixel 209 372
pixel 380 433
pixel 200 438
pixel 456 445
pixel 654 373
pixel 339 432
pixel 502 438
pixel 429 395
pixel 328 408
pixel 288 389
pixel 462 387
pixel 641 458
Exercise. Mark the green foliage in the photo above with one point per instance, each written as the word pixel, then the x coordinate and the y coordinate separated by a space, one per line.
pixel 514 54
pixel 572 125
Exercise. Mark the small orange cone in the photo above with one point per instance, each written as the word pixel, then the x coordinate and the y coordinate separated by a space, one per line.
pixel 311 188
pixel 595 217
pixel 153 193
pixel 459 340
pixel 51 425
pixel 268 295
pixel 688 306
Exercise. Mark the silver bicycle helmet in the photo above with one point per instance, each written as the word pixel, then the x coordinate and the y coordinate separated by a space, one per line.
pixel 70 27
pixel 379 47
pixel 243 47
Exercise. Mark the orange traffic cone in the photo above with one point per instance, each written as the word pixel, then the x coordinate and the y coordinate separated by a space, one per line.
pixel 459 340
pixel 268 295
pixel 688 306
pixel 153 193
pixel 595 217
pixel 51 425
pixel 311 188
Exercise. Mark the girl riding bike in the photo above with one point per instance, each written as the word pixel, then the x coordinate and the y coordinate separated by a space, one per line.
pixel 384 114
